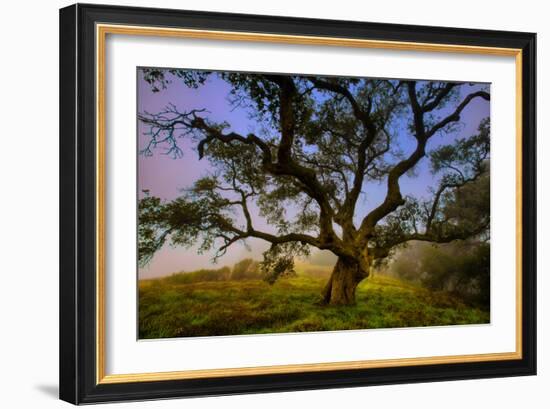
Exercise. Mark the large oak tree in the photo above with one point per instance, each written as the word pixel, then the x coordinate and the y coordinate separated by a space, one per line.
pixel 322 141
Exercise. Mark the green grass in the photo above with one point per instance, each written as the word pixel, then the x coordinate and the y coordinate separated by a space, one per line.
pixel 171 308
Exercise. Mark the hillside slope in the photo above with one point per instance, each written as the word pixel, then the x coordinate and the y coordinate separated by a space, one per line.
pixel 171 309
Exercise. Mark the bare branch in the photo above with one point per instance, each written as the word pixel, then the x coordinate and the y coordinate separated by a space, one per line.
pixel 455 116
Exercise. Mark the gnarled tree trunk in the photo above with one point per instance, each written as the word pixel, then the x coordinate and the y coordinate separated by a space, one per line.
pixel 346 276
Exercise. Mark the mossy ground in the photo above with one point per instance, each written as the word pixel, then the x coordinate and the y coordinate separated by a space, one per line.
pixel 168 308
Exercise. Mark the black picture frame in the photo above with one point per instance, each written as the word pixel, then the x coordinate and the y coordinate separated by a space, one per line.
pixel 78 291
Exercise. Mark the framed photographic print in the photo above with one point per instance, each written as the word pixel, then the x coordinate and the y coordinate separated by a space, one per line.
pixel 257 203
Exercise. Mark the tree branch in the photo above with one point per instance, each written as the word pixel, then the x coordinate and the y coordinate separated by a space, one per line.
pixel 439 97
pixel 455 116
pixel 359 113
pixel 394 198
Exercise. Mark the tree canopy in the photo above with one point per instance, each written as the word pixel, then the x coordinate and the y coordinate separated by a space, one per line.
pixel 320 142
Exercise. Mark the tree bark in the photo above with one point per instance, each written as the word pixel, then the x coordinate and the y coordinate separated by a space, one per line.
pixel 346 276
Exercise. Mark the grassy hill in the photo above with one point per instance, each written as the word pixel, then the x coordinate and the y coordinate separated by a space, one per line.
pixel 175 306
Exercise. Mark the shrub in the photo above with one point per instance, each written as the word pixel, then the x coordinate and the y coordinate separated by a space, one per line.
pixel 221 274
pixel 459 267
pixel 247 269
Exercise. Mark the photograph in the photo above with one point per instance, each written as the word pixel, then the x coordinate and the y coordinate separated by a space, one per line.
pixel 286 203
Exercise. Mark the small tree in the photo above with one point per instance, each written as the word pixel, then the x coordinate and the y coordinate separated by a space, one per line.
pixel 324 140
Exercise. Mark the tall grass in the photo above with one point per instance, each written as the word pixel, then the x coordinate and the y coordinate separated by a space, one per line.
pixel 209 302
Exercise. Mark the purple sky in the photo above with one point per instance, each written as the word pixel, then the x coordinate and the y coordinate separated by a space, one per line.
pixel 164 176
